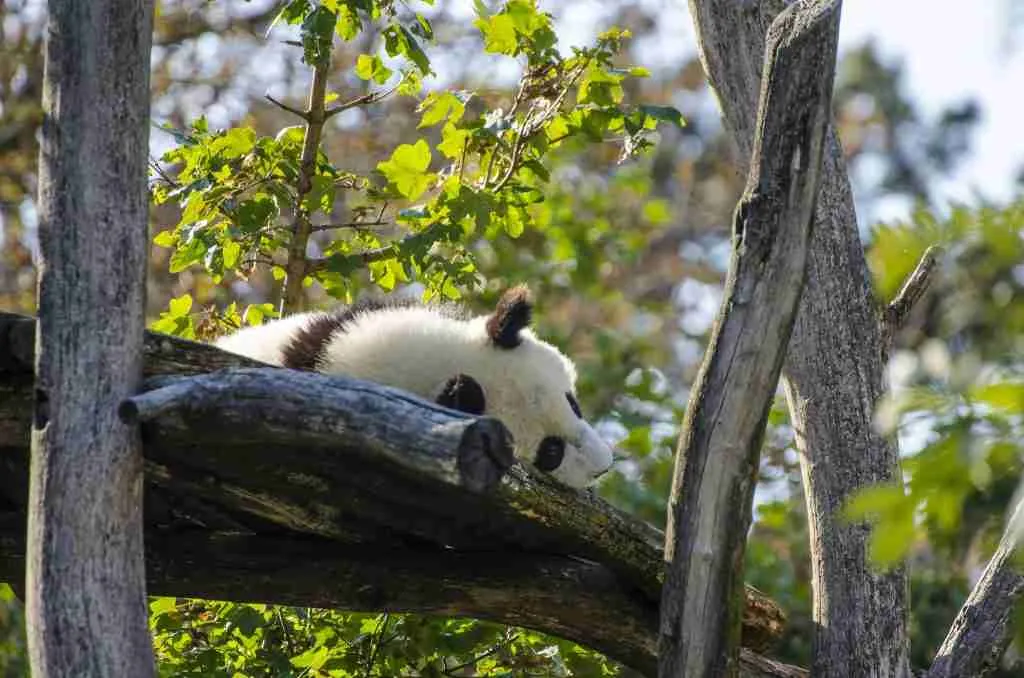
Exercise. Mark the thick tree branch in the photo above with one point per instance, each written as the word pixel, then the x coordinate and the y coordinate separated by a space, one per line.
pixel 716 466
pixel 832 375
pixel 276 406
pixel 331 475
pixel 983 628
pixel 571 598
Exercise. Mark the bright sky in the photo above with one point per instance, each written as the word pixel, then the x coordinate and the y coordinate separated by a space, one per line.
pixel 951 50
pixel 957 50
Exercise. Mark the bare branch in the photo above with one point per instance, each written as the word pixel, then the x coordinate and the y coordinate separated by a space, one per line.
pixel 286 107
pixel 362 100
pixel 296 268
pixel 982 629
pixel 717 459
pixel 896 313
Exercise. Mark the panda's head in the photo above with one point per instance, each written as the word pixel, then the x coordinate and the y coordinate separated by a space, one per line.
pixel 530 386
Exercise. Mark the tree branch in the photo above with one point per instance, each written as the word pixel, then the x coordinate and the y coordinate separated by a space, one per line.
pixel 361 100
pixel 982 629
pixel 717 460
pixel 285 107
pixel 575 599
pixel 216 462
pixel 832 376
pixel 896 313
pixel 296 267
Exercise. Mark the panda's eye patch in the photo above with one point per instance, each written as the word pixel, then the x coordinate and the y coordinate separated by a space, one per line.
pixel 574 405
pixel 549 454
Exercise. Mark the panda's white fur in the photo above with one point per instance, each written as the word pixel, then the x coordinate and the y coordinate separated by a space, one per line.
pixel 527 384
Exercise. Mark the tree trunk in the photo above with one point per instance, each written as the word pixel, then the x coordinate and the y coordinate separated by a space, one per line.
pixel 833 377
pixel 85 587
pixel 716 466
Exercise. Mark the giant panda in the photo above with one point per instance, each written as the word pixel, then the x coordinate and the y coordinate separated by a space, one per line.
pixel 491 364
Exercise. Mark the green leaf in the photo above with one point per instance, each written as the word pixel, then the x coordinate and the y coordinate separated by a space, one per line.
pixel 231 251
pixel 372 68
pixel 234 143
pixel 158 606
pixel 453 141
pixel 499 34
pixel 317 36
pixel 180 306
pixel 1006 395
pixel 557 128
pixel 440 106
pixel 665 114
pixel 349 24
pixel 879 500
pixel 399 41
pixel 293 12
pixel 255 314
pixel 165 239
pixel 407 169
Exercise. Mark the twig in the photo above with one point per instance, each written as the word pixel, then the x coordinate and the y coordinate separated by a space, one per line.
pixel 356 225
pixel 163 175
pixel 462 160
pixel 362 100
pixel 508 640
pixel 377 643
pixel 898 310
pixel 281 104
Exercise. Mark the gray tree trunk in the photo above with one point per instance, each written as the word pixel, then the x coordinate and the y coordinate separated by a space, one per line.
pixel 85 587
pixel 720 445
pixel 833 377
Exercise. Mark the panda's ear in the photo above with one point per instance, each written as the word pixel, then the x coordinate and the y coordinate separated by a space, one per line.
pixel 463 393
pixel 512 315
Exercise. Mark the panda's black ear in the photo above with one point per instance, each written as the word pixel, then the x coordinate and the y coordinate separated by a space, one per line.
pixel 513 314
pixel 463 393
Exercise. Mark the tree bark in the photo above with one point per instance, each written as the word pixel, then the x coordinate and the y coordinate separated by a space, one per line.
pixel 832 376
pixel 86 607
pixel 717 462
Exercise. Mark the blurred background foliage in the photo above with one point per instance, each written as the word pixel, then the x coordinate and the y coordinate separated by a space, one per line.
pixel 626 257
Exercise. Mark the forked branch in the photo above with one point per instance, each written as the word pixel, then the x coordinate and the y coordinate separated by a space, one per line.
pixel 717 459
